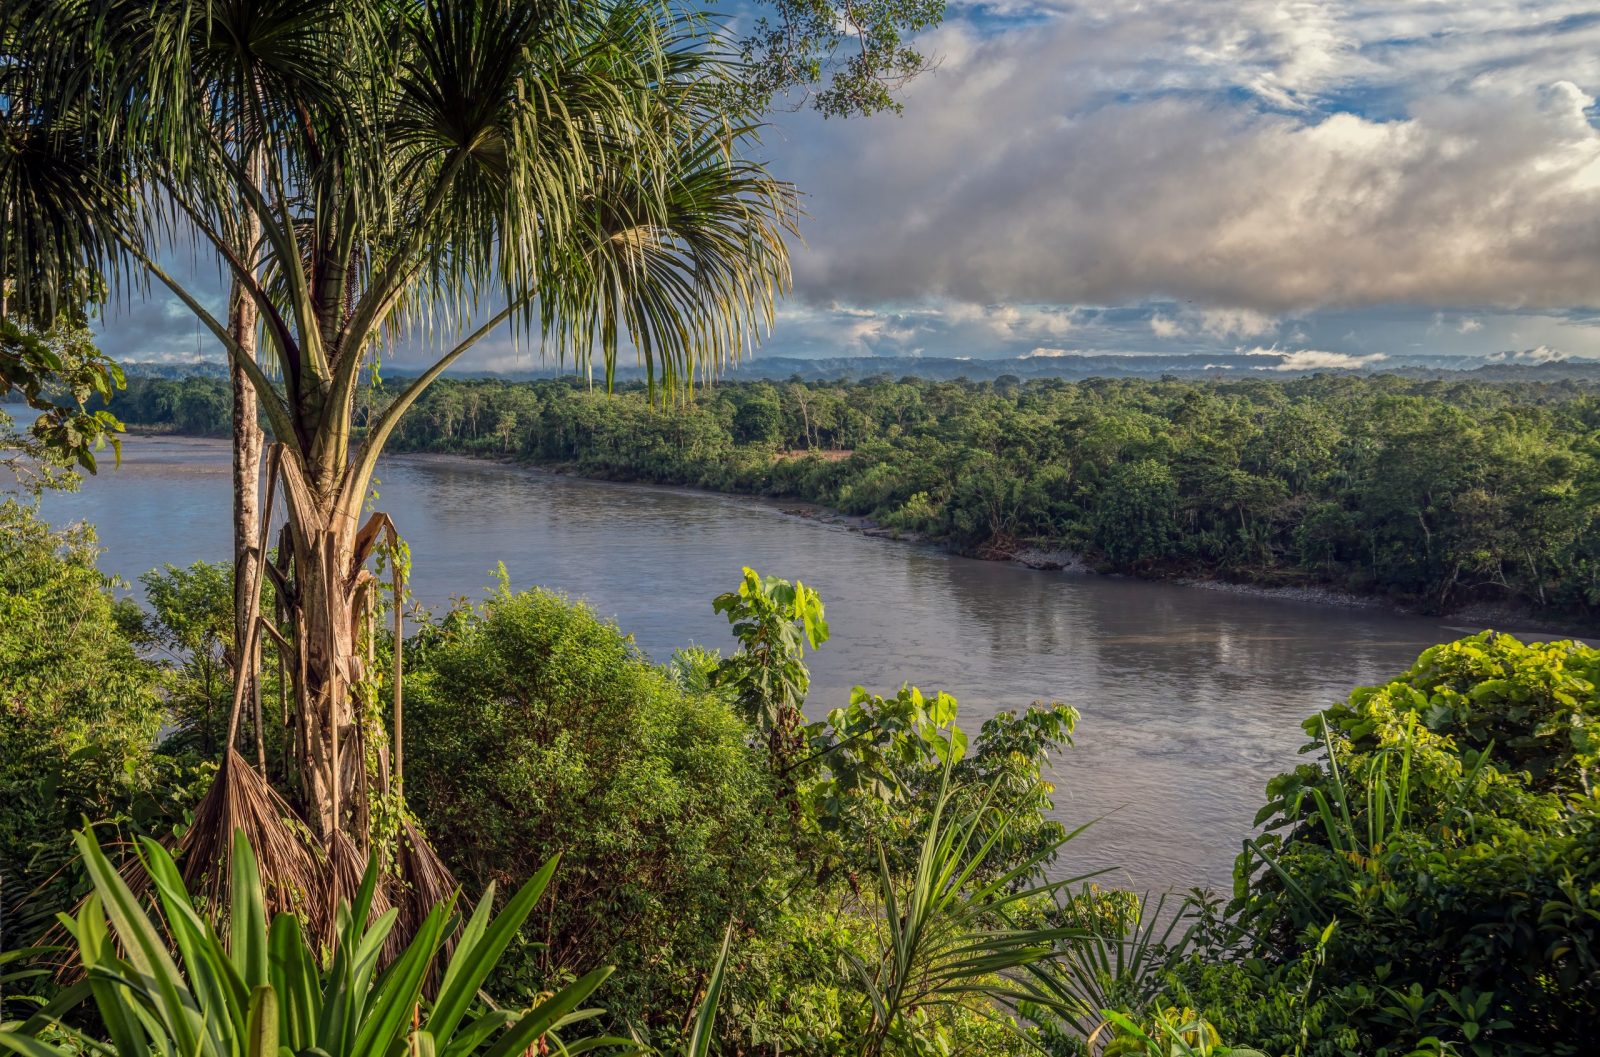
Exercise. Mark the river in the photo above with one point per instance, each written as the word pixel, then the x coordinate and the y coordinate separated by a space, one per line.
pixel 1191 699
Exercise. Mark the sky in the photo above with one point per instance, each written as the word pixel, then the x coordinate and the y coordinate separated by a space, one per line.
pixel 1339 182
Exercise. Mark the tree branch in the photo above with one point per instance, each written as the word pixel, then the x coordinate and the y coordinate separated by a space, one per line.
pixel 361 471
pixel 247 279
pixel 277 413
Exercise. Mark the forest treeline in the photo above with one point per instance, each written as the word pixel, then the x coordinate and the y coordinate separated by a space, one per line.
pixel 1432 493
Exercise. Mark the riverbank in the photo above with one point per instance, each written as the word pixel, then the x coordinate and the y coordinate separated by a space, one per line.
pixel 1042 558
pixel 1045 558
pixel 1318 490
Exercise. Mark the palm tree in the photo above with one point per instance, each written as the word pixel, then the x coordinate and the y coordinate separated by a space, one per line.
pixel 381 173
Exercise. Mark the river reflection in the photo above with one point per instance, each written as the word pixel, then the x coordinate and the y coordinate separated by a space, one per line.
pixel 1191 699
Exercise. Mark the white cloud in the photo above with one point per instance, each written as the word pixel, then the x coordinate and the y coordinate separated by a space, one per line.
pixel 1251 157
pixel 1164 327
pixel 1541 354
pixel 1469 326
pixel 852 329
pixel 1007 322
pixel 1314 359
pixel 1236 323
pixel 850 310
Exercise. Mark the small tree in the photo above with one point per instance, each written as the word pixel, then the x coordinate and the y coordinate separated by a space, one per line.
pixel 370 173
pixel 578 165
pixel 57 372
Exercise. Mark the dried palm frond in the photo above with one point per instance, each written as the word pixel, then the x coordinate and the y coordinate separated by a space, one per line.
pixel 241 799
pixel 424 880
pixel 347 866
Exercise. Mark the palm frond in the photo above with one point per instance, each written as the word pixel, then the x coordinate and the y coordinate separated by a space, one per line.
pixel 240 800
pixel 1117 962
pixel 58 205
pixel 683 261
pixel 423 880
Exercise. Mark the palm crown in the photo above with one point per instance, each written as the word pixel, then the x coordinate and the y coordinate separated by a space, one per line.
pixel 378 172
pixel 405 161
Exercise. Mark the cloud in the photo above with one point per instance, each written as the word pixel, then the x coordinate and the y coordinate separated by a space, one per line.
pixel 1314 359
pixel 1009 321
pixel 1183 176
pixel 846 329
pixel 1230 154
pixel 1236 323
pixel 1221 323
pixel 1164 327
pixel 1542 354
pixel 153 326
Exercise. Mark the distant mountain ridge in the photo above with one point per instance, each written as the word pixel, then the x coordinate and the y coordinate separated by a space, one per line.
pixel 1074 367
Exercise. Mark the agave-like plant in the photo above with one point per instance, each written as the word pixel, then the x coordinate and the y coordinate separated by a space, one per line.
pixel 260 990
pixel 950 940
pixel 1117 963
pixel 703 1032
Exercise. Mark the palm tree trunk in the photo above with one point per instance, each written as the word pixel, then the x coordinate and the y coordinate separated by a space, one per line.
pixel 247 443
pixel 328 609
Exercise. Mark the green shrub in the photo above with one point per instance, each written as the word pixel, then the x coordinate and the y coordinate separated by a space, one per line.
pixel 535 728
pixel 80 713
pixel 191 620
pixel 1442 859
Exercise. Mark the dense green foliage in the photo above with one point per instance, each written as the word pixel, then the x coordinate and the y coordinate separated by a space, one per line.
pixel 1434 493
pixel 80 711
pixel 1435 877
pixel 535 728
pixel 872 881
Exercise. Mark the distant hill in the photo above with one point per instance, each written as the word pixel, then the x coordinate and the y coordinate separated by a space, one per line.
pixel 1073 367
pixel 190 369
